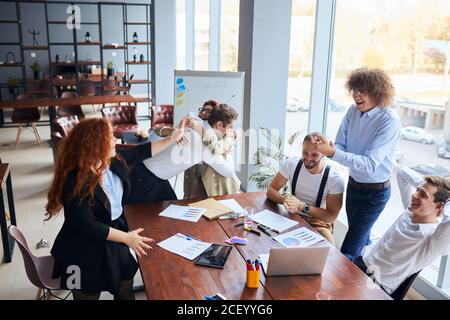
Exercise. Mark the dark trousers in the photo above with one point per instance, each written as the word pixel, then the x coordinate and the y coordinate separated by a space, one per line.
pixel 363 209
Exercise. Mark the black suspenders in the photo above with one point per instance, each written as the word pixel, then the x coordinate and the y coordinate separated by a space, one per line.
pixel 322 183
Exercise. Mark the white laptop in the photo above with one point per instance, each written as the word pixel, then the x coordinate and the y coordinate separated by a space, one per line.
pixel 294 261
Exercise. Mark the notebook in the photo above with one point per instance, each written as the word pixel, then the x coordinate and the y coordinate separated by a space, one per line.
pixel 213 208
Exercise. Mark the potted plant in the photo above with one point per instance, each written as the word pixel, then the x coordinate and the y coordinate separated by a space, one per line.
pixel 36 67
pixel 12 84
pixel 267 161
pixel 110 68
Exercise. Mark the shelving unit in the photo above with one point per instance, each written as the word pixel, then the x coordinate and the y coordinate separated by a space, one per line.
pixel 138 43
pixel 149 35
pixel 138 62
pixel 18 64
pixel 111 47
pixel 89 44
pixel 35 47
pixel 77 42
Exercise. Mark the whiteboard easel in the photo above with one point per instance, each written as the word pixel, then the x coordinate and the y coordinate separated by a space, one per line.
pixel 193 88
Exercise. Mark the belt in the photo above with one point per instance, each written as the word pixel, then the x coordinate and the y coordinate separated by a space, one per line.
pixel 369 186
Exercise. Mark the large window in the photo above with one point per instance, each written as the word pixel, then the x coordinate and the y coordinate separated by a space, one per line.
pixel 411 41
pixel 201 36
pixel 300 64
pixel 229 35
pixel 197 40
pixel 181 34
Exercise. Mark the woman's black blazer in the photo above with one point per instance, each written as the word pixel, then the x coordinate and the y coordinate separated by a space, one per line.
pixel 82 238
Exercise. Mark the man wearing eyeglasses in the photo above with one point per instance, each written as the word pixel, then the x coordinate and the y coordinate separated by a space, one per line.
pixel 419 236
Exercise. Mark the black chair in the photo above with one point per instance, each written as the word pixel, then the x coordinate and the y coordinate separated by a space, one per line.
pixel 25 117
pixel 402 289
pixel 68 111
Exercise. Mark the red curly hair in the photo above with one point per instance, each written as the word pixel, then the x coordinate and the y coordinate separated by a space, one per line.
pixel 86 150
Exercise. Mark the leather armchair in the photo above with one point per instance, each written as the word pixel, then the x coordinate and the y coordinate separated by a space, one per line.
pixel 63 126
pixel 123 118
pixel 161 116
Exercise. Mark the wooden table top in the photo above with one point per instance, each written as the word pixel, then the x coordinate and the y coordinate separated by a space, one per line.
pixel 341 279
pixel 169 276
pixel 46 102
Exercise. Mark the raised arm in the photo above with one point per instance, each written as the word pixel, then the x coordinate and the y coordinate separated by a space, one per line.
pixel 408 180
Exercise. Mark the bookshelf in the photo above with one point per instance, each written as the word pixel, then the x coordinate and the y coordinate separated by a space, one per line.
pixel 78 62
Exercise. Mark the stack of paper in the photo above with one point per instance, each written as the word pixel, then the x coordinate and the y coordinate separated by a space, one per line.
pixel 273 220
pixel 213 208
pixel 299 238
pixel 184 246
pixel 183 213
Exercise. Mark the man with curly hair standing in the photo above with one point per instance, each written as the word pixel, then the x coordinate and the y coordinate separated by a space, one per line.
pixel 365 143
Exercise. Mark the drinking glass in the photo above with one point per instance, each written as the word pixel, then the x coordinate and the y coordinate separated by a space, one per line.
pixel 248 217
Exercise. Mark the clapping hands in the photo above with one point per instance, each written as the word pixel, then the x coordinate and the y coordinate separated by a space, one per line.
pixel 292 204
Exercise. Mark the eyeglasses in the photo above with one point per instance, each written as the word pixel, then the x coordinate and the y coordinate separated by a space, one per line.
pixel 359 92
pixel 201 109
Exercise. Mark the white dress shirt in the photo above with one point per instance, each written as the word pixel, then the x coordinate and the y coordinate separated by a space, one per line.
pixel 113 187
pixel 178 157
pixel 407 247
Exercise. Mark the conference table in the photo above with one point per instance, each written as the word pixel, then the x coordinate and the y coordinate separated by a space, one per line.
pixel 169 276
pixel 51 102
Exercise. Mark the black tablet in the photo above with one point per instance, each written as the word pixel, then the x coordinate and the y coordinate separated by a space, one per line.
pixel 215 256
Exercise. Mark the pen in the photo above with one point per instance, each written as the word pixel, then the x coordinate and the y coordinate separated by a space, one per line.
pixel 257 264
pixel 239 224
pixel 253 231
pixel 191 237
pixel 264 229
pixel 249 264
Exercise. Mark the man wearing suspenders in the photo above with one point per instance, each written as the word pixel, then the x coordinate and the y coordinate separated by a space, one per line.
pixel 316 189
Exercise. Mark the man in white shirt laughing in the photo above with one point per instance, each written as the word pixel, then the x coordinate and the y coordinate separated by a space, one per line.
pixel 416 239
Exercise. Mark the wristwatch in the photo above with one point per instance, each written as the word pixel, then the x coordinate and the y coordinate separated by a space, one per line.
pixel 306 208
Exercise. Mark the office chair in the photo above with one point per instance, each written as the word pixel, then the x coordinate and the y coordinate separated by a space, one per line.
pixel 39 269
pixel 67 111
pixel 26 117
pixel 403 288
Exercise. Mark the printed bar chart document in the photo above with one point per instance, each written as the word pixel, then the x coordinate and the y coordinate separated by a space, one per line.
pixel 299 238
pixel 184 246
pixel 273 220
pixel 183 213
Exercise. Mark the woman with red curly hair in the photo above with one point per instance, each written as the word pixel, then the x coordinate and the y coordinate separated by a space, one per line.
pixel 91 184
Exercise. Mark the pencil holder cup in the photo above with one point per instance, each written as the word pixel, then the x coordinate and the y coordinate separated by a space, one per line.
pixel 253 278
